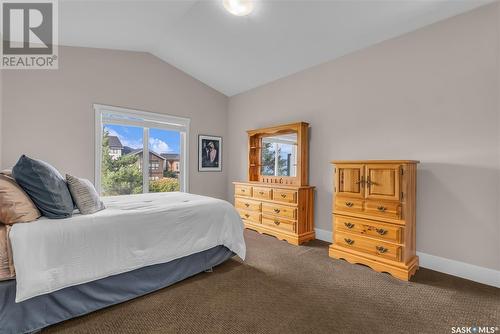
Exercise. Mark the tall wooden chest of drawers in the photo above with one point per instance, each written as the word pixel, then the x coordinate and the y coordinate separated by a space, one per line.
pixel 374 215
pixel 285 212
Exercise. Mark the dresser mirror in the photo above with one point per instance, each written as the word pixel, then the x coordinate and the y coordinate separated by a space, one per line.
pixel 279 155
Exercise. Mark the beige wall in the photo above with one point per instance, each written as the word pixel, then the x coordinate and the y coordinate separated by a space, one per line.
pixel 49 114
pixel 431 95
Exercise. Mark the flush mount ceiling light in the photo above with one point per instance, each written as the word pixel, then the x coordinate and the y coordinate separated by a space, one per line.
pixel 238 7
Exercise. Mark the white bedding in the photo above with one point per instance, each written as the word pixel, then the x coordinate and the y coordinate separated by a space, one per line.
pixel 132 232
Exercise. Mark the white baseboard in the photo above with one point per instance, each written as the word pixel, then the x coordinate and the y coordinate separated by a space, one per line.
pixel 452 267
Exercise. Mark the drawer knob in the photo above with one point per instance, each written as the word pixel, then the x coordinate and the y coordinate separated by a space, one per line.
pixel 247 205
pixel 277 210
pixel 277 222
pixel 348 241
pixel 349 225
pixel 283 195
pixel 247 215
pixel 381 231
pixel 381 249
pixel 349 204
pixel 381 208
pixel 261 192
pixel 242 190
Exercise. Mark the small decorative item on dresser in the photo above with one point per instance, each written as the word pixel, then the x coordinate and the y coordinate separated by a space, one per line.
pixel 277 199
pixel 209 153
pixel 374 215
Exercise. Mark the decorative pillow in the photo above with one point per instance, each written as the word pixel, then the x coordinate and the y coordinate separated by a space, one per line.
pixel 15 205
pixel 6 264
pixel 45 186
pixel 84 194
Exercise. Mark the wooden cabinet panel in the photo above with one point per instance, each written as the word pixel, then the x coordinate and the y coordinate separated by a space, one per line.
pixel 262 193
pixel 383 181
pixel 383 209
pixel 252 216
pixel 279 223
pixel 247 204
pixel 279 210
pixel 349 180
pixel 370 228
pixel 285 195
pixel 348 204
pixel 370 246
pixel 243 190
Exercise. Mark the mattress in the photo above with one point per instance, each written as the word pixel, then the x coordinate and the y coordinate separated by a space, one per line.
pixel 74 301
pixel 132 232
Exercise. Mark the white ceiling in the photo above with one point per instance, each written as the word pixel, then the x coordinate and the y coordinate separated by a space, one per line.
pixel 234 54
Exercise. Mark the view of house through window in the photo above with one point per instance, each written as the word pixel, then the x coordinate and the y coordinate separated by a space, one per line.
pixel 122 160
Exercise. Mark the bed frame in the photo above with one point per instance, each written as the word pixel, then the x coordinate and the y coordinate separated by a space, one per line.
pixel 36 313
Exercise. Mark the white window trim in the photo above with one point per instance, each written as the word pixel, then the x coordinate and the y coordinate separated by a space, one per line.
pixel 145 120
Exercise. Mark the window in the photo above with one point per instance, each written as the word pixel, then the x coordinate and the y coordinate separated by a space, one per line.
pixel 124 137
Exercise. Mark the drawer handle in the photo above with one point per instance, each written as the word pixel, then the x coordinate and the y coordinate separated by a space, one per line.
pixel 348 241
pixel 277 210
pixel 247 205
pixel 349 204
pixel 261 193
pixel 381 231
pixel 283 195
pixel 349 225
pixel 381 208
pixel 277 222
pixel 247 215
pixel 242 190
pixel 381 249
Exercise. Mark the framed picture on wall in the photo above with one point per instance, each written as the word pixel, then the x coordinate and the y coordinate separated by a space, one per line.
pixel 209 153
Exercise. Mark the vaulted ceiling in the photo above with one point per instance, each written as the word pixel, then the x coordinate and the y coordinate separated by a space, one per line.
pixel 234 54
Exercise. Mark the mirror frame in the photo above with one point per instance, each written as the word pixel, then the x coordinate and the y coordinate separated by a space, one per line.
pixel 255 151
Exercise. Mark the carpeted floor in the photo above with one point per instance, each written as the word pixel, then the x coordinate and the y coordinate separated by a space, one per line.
pixel 287 289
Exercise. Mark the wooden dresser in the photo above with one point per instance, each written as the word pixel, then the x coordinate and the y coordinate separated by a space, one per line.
pixel 277 199
pixel 374 215
pixel 285 212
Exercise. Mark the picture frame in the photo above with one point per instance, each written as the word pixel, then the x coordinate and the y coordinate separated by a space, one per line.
pixel 209 153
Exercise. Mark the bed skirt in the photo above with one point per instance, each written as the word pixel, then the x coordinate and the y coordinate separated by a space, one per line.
pixel 45 310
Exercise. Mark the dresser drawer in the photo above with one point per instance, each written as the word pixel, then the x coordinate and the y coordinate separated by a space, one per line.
pixel 252 216
pixel 371 228
pixel 279 210
pixel 348 204
pixel 383 209
pixel 279 223
pixel 262 193
pixel 242 190
pixel 247 204
pixel 285 195
pixel 368 246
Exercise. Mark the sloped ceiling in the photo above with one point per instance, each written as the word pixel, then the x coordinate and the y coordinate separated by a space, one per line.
pixel 234 54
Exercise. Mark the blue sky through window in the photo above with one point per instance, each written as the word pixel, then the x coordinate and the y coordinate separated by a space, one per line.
pixel 160 141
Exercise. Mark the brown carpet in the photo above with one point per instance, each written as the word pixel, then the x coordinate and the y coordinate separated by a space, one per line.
pixel 287 289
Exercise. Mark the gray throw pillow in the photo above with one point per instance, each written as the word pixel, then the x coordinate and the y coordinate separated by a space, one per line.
pixel 45 186
pixel 84 194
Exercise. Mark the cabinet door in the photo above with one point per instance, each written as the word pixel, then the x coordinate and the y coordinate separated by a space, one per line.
pixel 349 180
pixel 383 181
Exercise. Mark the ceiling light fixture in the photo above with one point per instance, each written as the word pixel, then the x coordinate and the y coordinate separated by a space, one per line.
pixel 238 7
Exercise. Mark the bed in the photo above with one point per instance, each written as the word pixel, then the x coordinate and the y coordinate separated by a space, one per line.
pixel 140 243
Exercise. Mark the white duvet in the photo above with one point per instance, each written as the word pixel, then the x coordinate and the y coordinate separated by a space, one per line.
pixel 132 232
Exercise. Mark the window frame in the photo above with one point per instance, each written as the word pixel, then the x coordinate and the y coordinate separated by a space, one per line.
pixel 106 114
